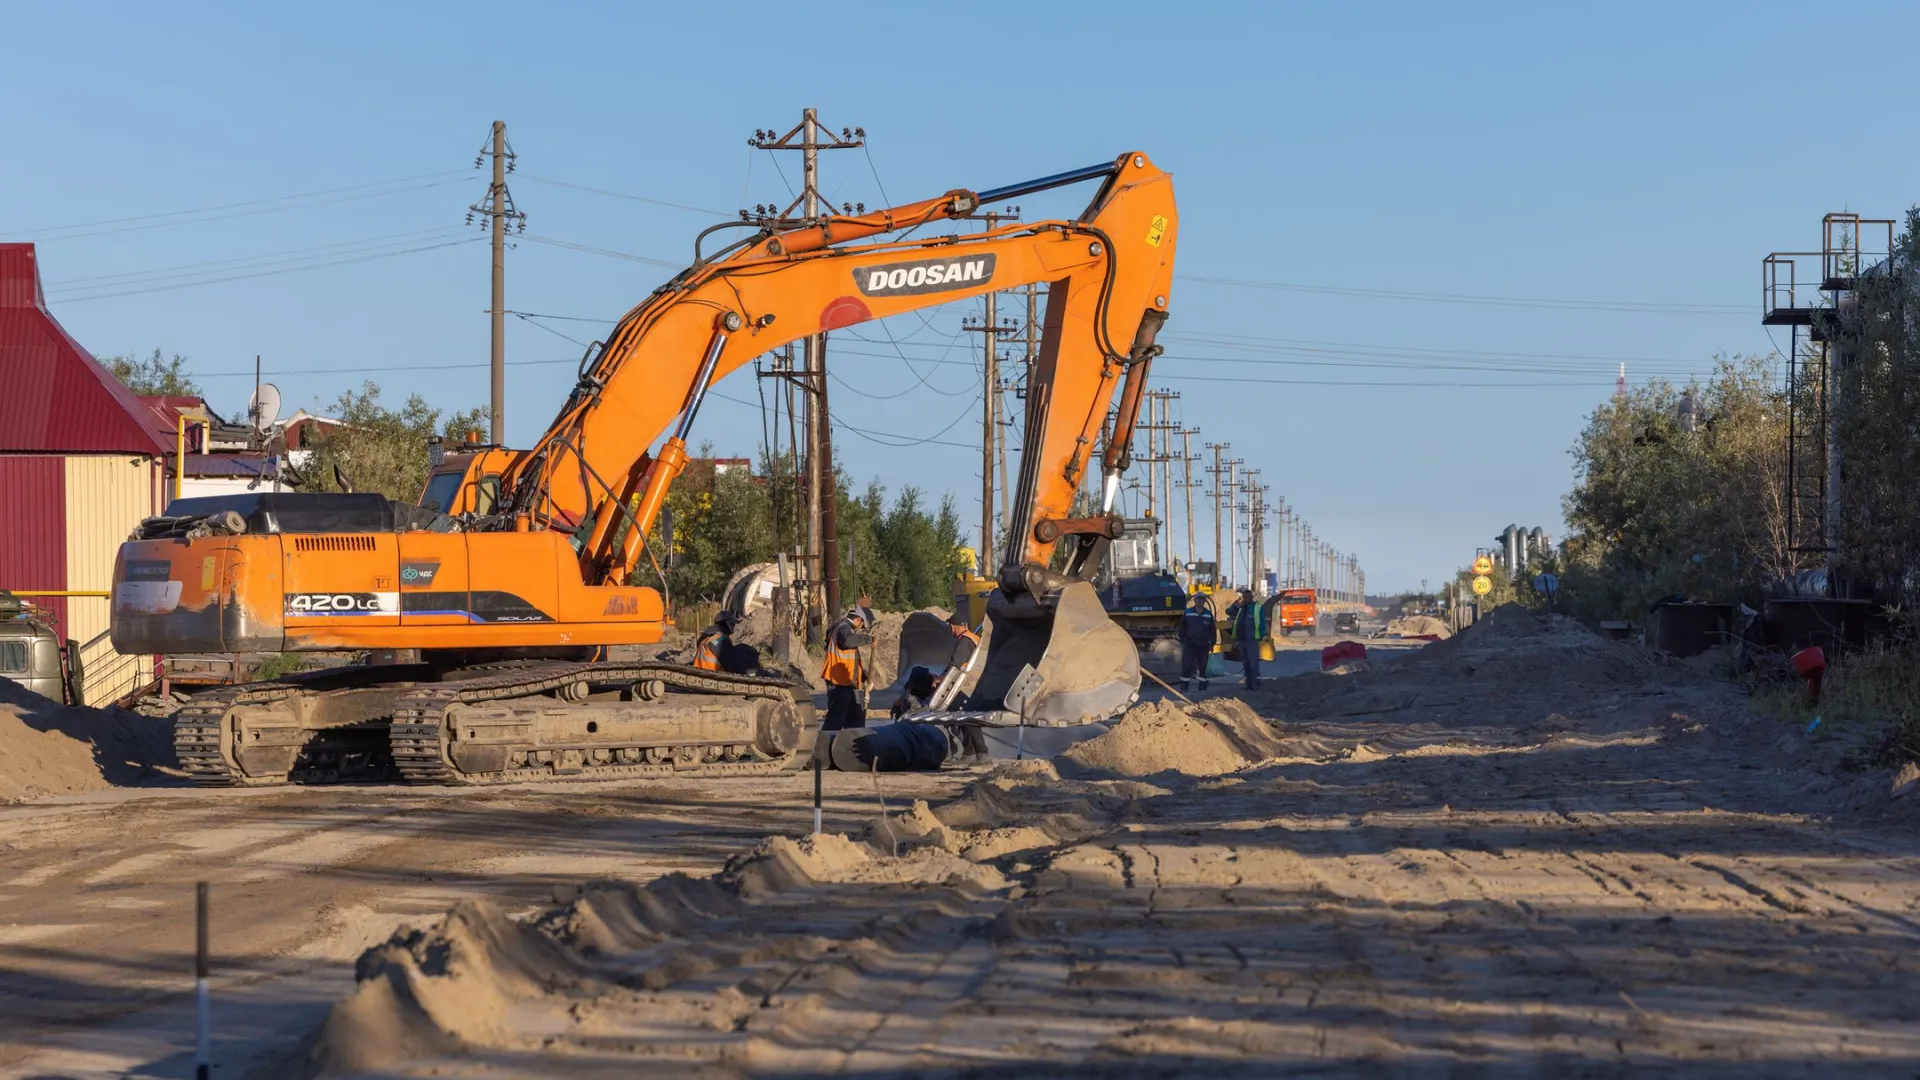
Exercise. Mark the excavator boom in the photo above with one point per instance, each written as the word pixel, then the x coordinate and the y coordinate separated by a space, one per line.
pixel 544 557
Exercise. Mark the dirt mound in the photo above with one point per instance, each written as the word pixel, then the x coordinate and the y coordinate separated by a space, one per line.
pixel 50 749
pixel 1418 626
pixel 479 976
pixel 886 647
pixel 1519 649
pixel 1209 739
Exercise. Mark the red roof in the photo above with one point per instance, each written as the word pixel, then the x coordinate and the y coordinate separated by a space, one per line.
pixel 59 399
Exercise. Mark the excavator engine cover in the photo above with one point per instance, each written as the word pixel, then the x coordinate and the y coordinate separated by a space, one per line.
pixel 1061 662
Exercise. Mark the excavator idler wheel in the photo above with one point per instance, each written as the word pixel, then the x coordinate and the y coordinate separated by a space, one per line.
pixel 778 727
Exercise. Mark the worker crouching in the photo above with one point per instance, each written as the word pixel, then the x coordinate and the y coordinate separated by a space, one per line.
pixel 714 642
pixel 844 670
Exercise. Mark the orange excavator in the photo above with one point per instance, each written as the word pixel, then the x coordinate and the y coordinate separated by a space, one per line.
pixel 519 568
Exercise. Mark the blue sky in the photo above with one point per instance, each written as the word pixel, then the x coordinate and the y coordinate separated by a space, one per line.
pixel 1620 156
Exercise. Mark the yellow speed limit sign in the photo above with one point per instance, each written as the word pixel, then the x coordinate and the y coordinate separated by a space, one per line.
pixel 1482 584
pixel 1482 566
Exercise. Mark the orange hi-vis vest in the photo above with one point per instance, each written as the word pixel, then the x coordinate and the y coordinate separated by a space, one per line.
pixel 706 654
pixel 841 667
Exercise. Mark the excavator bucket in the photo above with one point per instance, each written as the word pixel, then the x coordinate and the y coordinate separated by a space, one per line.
pixel 1062 663
pixel 925 641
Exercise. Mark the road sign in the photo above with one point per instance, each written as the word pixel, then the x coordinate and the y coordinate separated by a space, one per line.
pixel 1483 565
pixel 1482 584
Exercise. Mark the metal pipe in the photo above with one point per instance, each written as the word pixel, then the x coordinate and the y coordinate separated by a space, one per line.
pixel 1044 183
pixel 728 322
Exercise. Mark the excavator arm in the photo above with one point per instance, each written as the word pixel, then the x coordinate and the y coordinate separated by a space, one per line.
pixel 522 592
pixel 1108 274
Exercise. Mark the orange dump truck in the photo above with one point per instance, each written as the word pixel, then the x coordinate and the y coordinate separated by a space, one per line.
pixel 1298 611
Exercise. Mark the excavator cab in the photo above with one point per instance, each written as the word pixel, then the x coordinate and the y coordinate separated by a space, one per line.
pixel 466 481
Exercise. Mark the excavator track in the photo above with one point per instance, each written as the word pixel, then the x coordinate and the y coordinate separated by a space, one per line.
pixel 421 731
pixel 414 747
pixel 203 742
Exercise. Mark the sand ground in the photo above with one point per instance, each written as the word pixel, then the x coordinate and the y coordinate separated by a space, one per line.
pixel 1524 851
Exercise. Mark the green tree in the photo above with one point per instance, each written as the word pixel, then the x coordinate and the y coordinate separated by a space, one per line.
pixel 381 449
pixel 898 554
pixel 1876 366
pixel 153 374
pixel 1657 509
pixel 721 521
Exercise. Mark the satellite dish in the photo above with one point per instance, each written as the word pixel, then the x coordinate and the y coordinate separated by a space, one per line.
pixel 263 407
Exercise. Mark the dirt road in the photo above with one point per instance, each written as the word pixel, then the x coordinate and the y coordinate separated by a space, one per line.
pixel 96 893
pixel 1530 852
pixel 1526 851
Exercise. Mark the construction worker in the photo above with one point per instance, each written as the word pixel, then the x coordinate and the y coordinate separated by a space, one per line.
pixel 973 742
pixel 1249 620
pixel 1198 636
pixel 918 693
pixel 714 642
pixel 845 670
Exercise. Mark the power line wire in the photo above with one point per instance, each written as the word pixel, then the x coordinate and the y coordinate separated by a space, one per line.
pixel 42 230
pixel 71 284
pixel 256 211
pixel 266 273
pixel 622 195
pixel 1643 307
pixel 590 250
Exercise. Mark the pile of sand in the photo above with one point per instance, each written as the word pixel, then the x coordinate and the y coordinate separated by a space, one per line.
pixel 886 647
pixel 47 748
pixel 1210 739
pixel 1418 626
pixel 1521 651
pixel 480 977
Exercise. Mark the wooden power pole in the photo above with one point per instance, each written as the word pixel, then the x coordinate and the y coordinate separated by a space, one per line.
pixel 823 526
pixel 991 329
pixel 498 208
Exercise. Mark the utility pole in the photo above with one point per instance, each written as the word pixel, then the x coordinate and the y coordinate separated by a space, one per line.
pixel 823 526
pixel 1256 532
pixel 497 207
pixel 1186 486
pixel 1167 429
pixel 1149 403
pixel 1233 519
pixel 991 329
pixel 1218 473
pixel 1280 541
pixel 1032 331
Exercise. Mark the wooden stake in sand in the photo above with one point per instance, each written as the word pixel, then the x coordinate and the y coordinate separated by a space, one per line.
pixel 1164 685
pixel 816 787
pixel 203 1020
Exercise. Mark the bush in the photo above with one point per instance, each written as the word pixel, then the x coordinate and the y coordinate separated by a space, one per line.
pixel 381 449
pixel 1658 510
pixel 1870 697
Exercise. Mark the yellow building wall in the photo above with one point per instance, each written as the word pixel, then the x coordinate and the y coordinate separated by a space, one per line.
pixel 107 496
